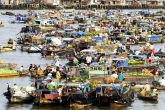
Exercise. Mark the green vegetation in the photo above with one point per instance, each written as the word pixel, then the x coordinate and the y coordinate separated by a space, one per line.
pixel 74 78
pixel 140 73
pixel 91 33
pixel 135 62
pixel 84 77
pixel 7 71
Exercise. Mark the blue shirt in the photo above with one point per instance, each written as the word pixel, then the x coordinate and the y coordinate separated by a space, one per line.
pixel 120 77
pixel 109 72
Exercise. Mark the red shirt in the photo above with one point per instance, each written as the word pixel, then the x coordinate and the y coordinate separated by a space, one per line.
pixel 70 58
pixel 153 72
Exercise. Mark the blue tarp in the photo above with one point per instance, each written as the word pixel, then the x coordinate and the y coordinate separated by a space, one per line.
pixel 79 32
pixel 154 38
pixel 95 63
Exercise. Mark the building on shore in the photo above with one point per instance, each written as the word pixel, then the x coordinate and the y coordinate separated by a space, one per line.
pixel 84 4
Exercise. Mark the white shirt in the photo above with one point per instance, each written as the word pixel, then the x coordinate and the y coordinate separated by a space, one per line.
pixel 137 52
pixel 147 44
pixel 57 63
pixel 60 91
pixel 162 82
pixel 21 69
pixel 16 88
pixel 88 59
pixel 114 75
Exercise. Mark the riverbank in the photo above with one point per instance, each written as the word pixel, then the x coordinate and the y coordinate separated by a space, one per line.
pixel 79 7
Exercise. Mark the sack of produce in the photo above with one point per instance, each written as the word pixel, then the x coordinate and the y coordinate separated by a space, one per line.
pixel 109 80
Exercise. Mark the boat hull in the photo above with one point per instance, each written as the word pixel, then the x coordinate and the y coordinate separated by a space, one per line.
pixel 13 74
pixel 150 98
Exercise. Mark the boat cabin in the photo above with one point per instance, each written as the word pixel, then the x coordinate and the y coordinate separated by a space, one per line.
pixel 114 93
pixel 77 93
pixel 46 92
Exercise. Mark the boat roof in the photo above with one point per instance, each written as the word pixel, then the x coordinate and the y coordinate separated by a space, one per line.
pixel 68 39
pixel 73 84
pixel 109 85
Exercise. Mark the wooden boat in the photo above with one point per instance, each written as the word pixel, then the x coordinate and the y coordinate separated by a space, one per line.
pixel 160 87
pixel 148 97
pixel 162 54
pixel 1 25
pixel 47 97
pixel 15 74
pixel 29 38
pixel 133 68
pixel 23 96
pixel 7 13
pixel 110 92
pixel 61 52
pixel 34 49
pixel 114 93
pixel 77 96
pixel 6 49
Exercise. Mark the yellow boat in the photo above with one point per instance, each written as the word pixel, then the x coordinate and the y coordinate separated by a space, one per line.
pixel 13 74
pixel 1 25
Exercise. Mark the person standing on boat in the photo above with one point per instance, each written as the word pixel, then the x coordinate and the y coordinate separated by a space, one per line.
pixel 30 67
pixel 147 60
pixel 58 75
pixel 88 60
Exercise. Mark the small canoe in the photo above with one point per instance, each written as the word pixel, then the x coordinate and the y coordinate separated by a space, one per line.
pixel 160 87
pixel 7 50
pixel 148 97
pixel 1 25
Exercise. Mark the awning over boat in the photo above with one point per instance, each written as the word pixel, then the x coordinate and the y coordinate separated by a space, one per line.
pixel 68 39
pixel 79 32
